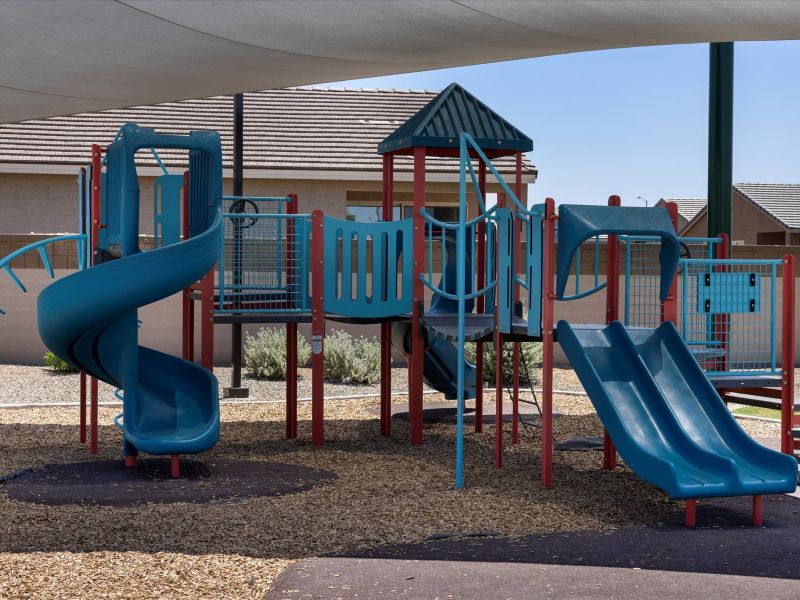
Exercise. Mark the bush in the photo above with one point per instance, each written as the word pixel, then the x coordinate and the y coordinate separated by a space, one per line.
pixel 265 354
pixel 58 365
pixel 349 360
pixel 530 355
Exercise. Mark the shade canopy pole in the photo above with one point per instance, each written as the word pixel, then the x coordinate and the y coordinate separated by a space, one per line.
pixel 236 390
pixel 720 139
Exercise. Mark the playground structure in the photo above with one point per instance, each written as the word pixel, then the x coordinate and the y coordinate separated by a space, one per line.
pixel 686 325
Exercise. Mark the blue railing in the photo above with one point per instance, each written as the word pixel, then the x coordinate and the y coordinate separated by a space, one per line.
pixel 41 247
pixel 597 284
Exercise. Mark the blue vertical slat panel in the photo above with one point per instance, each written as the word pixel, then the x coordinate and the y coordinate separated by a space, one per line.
pixel 363 305
pixel 167 212
pixel 505 245
pixel 534 254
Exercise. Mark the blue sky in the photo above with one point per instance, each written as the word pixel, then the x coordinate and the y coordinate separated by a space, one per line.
pixel 633 122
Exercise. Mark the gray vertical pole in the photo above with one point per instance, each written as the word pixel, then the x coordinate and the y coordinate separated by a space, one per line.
pixel 236 390
pixel 720 139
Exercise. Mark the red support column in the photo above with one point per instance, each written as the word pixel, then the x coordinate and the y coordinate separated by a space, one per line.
pixel 94 392
pixel 499 371
pixel 669 308
pixel 548 299
pixel 317 329
pixel 415 361
pixel 291 328
pixel 386 327
pixel 691 512
pixel 721 321
pixel 83 408
pixel 612 314
pixel 758 510
pixel 94 257
pixel 787 355
pixel 187 314
pixel 515 271
pixel 480 304
pixel 207 321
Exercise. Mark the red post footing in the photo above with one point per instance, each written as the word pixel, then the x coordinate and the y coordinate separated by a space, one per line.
pixel 131 462
pixel 93 415
pixel 176 466
pixel 691 512
pixel 758 511
pixel 609 453
pixel 83 409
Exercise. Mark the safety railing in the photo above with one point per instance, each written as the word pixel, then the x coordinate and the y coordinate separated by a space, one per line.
pixel 41 247
pixel 368 270
pixel 597 285
pixel 727 314
pixel 264 261
pixel 643 275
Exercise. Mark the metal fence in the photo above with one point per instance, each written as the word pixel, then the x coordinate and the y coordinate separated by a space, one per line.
pixel 264 257
pixel 726 308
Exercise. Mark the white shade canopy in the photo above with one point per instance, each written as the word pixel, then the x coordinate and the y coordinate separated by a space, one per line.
pixel 66 56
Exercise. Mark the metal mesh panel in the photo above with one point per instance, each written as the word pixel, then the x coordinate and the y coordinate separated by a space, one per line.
pixel 727 314
pixel 726 308
pixel 263 257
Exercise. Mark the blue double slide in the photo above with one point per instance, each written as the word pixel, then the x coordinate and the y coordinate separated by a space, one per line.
pixel 89 319
pixel 665 417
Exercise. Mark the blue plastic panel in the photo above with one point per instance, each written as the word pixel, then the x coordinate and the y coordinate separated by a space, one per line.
pixel 534 254
pixel 728 293
pixel 505 278
pixel 577 223
pixel 167 210
pixel 346 292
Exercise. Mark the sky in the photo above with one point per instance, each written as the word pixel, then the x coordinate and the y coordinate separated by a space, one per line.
pixel 634 122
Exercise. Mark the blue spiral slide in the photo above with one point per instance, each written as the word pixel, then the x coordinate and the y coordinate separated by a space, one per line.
pixel 89 319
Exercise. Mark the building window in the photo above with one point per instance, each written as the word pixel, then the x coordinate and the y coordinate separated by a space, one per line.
pixel 368 213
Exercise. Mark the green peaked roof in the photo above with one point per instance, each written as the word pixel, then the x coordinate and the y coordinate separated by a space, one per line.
pixel 439 123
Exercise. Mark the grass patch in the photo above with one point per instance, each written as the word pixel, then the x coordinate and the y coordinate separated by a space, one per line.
pixel 757 411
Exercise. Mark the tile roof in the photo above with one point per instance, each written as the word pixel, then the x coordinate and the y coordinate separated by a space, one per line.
pixel 780 200
pixel 688 208
pixel 294 129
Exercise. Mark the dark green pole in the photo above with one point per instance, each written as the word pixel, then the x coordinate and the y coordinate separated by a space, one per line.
pixel 720 138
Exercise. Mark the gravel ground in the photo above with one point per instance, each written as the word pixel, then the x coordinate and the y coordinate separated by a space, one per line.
pixel 387 492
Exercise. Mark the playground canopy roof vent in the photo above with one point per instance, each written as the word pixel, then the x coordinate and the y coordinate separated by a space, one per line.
pixel 440 122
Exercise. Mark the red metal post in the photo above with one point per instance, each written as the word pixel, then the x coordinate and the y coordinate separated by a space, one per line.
pixel 517 228
pixel 480 304
pixel 94 245
pixel 758 510
pixel 83 408
pixel 187 314
pixel 499 373
pixel 548 299
pixel 691 512
pixel 175 463
pixel 291 328
pixel 94 392
pixel 415 361
pixel 386 327
pixel 787 355
pixel 317 328
pixel 207 321
pixel 669 308
pixel 612 314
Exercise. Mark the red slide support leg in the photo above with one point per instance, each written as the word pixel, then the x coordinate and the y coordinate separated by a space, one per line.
pixel 386 379
pixel 83 408
pixel 131 462
pixel 291 381
pixel 498 401
pixel 691 512
pixel 317 329
pixel 176 466
pixel 609 452
pixel 758 511
pixel 93 417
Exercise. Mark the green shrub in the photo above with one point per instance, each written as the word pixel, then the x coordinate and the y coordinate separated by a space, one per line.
pixel 530 355
pixel 349 360
pixel 58 365
pixel 265 353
